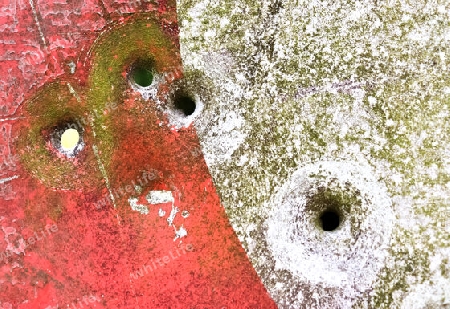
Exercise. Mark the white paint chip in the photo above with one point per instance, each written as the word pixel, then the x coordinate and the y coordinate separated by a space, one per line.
pixel 161 212
pixel 3 180
pixel 160 197
pixel 138 207
pixel 180 233
pixel 172 215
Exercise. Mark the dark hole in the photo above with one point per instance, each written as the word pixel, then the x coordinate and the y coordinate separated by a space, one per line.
pixel 330 220
pixel 142 76
pixel 185 104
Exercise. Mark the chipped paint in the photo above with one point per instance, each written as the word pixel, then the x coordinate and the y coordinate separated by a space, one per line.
pixel 173 213
pixel 161 212
pixel 180 233
pixel 73 91
pixel 285 85
pixel 101 242
pixel 138 207
pixel 4 180
pixel 159 197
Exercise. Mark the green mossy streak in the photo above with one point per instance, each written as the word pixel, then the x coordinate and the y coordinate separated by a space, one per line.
pixel 140 39
pixel 52 106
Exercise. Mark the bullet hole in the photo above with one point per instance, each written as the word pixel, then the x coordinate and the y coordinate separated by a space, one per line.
pixel 142 73
pixel 330 220
pixel 67 138
pixel 330 207
pixel 185 104
pixel 142 76
pixel 70 139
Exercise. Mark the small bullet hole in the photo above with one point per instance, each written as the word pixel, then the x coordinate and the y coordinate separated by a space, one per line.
pixel 330 220
pixel 185 104
pixel 142 76
pixel 67 137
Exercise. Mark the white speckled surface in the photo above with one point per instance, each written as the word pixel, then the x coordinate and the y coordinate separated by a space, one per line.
pixel 289 84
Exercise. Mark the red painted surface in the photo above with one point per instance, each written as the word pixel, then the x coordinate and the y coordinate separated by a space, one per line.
pixel 60 250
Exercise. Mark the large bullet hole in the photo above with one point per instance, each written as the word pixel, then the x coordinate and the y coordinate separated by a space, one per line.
pixel 330 207
pixel 185 104
pixel 141 73
pixel 330 220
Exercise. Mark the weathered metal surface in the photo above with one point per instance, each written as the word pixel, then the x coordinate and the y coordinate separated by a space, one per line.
pixel 303 108
pixel 128 217
pixel 330 102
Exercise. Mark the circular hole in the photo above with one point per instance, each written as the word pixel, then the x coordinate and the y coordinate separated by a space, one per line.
pixel 70 139
pixel 185 104
pixel 142 76
pixel 329 220
pixel 67 138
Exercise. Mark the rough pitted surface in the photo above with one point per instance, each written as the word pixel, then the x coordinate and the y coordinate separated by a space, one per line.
pixel 306 104
pixel 82 226
pixel 290 84
pixel 345 259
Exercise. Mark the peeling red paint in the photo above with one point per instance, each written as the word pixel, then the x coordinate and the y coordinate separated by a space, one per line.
pixel 97 251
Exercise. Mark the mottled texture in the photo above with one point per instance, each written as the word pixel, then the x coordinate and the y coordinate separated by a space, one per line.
pixel 114 246
pixel 295 83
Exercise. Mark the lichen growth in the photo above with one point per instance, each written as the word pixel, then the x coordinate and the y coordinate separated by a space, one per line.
pixel 139 39
pixel 52 107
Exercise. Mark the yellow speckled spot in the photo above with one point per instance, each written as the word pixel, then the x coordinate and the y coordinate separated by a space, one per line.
pixel 70 139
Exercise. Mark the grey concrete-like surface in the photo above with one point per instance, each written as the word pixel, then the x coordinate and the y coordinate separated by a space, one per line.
pixel 315 106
